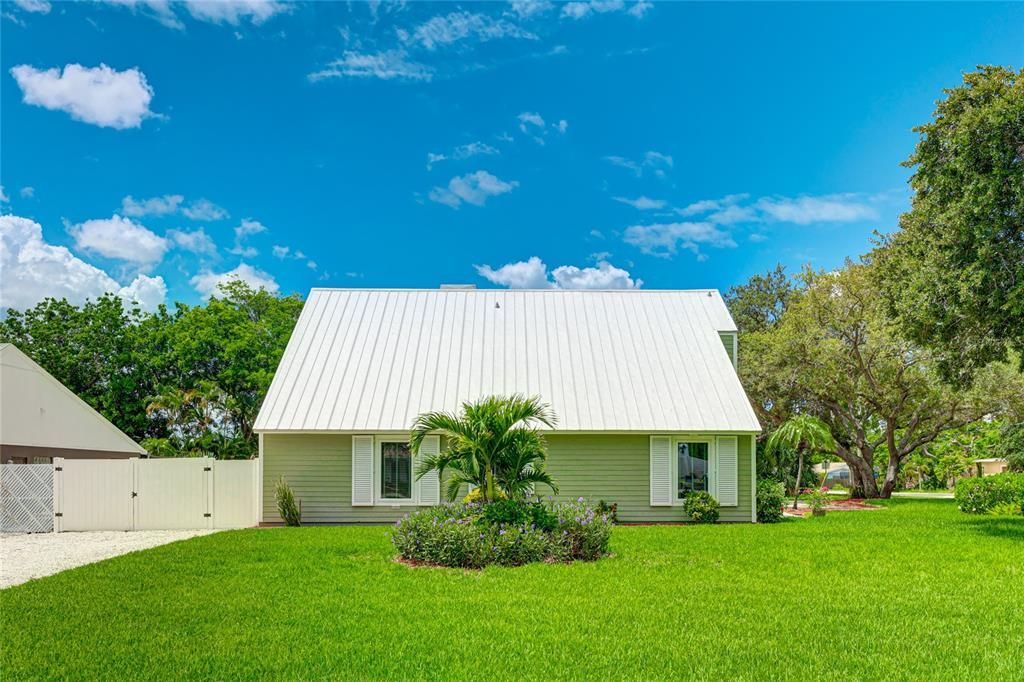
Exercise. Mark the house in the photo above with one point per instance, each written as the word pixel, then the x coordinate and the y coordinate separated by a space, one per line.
pixel 644 384
pixel 41 419
pixel 990 466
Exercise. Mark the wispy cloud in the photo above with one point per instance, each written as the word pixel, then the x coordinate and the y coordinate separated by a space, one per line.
pixel 138 208
pixel 457 26
pixel 533 274
pixel 805 210
pixel 531 123
pixel 643 203
pixel 462 152
pixel 196 241
pixel 387 65
pixel 582 10
pixel 245 229
pixel 651 162
pixel 666 239
pixel 472 188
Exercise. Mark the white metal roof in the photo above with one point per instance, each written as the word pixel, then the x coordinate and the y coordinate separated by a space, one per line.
pixel 38 410
pixel 373 359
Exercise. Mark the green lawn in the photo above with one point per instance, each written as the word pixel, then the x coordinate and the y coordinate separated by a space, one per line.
pixel 914 591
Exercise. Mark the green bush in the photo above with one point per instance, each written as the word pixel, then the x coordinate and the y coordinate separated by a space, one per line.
pixel 609 508
pixel 519 513
pixel 1006 509
pixel 771 495
pixel 475 535
pixel 980 494
pixel 287 507
pixel 701 507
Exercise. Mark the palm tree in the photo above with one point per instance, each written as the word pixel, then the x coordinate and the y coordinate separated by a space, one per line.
pixel 801 433
pixel 493 444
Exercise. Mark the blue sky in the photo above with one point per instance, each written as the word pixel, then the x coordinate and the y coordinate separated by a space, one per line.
pixel 154 148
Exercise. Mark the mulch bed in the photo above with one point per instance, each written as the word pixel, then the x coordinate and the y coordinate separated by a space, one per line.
pixel 837 505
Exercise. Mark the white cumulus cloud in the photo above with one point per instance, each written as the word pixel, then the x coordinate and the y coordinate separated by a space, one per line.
pixel 119 238
pixel 100 95
pixel 32 269
pixel 206 283
pixel 533 274
pixel 472 188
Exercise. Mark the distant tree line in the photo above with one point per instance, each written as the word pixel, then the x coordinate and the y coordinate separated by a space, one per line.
pixel 183 382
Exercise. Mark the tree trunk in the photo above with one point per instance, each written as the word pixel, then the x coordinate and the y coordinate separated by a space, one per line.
pixel 863 478
pixel 799 470
pixel 890 477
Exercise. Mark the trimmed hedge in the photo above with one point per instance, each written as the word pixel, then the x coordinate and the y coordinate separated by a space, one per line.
pixel 979 495
pixel 506 533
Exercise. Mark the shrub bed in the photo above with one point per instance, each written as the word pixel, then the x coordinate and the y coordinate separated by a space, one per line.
pixel 506 533
pixel 981 494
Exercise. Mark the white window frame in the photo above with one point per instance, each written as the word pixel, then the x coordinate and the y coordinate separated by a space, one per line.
pixel 378 475
pixel 712 464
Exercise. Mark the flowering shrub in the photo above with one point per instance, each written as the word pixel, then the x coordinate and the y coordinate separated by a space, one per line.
pixel 701 507
pixel 505 533
pixel 818 500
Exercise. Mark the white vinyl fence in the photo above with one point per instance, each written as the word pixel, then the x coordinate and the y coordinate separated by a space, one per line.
pixel 129 494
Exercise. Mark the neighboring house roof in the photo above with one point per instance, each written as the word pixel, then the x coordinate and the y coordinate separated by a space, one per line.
pixel 373 359
pixel 37 410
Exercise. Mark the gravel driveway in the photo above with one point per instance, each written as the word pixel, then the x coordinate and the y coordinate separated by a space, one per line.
pixel 24 557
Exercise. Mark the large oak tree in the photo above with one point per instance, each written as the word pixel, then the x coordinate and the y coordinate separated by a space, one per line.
pixel 835 353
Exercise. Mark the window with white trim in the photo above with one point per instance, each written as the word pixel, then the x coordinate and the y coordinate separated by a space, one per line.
pixel 396 474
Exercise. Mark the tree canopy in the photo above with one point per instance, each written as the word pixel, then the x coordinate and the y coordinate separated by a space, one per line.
pixel 954 272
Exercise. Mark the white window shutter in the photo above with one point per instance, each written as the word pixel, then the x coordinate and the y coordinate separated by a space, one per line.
pixel 661 471
pixel 430 484
pixel 728 471
pixel 362 471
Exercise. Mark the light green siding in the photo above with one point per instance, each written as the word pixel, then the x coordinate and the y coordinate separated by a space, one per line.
pixel 610 467
pixel 729 341
pixel 616 468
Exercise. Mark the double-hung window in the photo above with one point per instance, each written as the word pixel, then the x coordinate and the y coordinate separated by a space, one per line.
pixel 396 473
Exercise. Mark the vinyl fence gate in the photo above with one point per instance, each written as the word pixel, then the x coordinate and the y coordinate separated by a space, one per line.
pixel 153 494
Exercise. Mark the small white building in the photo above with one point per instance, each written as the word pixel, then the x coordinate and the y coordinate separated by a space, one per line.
pixel 40 418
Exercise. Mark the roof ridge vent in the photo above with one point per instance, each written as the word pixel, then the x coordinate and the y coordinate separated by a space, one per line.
pixel 458 287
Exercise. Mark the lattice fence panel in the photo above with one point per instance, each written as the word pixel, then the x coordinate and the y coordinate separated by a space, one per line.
pixel 26 498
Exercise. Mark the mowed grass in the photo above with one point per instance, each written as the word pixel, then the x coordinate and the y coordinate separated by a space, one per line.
pixel 914 591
